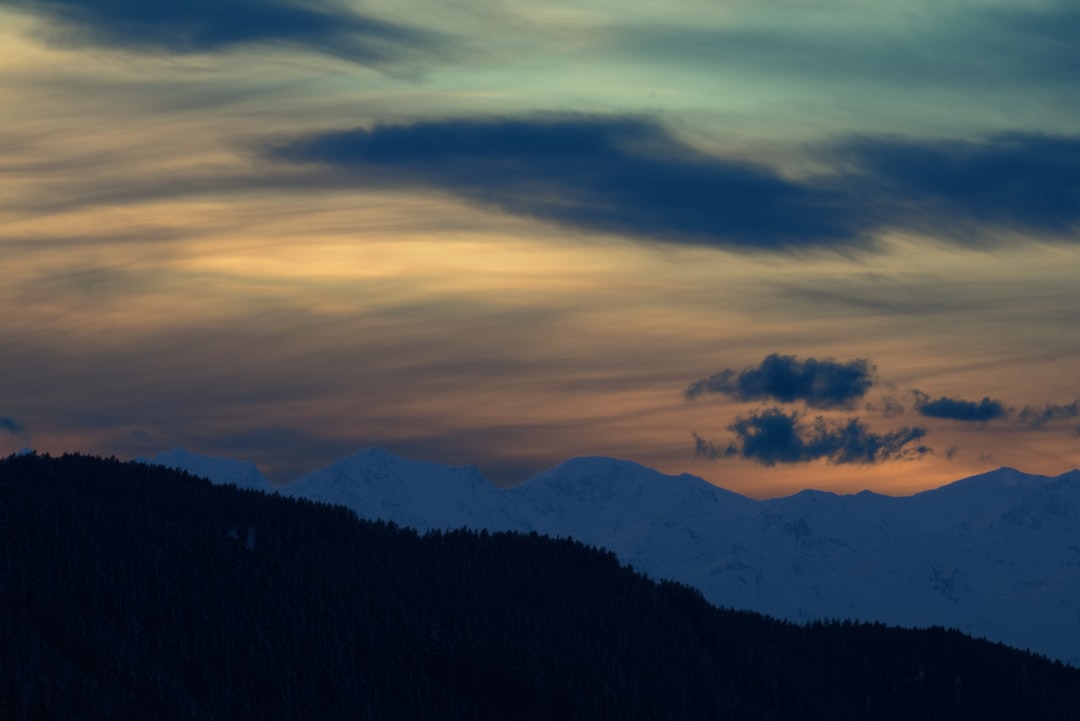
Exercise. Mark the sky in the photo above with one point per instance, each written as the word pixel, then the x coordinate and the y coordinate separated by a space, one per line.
pixel 775 244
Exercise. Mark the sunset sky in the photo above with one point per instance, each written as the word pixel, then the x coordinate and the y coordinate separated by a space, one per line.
pixel 777 244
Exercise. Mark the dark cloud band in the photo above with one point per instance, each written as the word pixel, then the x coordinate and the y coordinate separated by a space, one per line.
pixel 1014 181
pixel 629 176
pixel 772 436
pixel 819 383
pixel 200 26
pixel 603 174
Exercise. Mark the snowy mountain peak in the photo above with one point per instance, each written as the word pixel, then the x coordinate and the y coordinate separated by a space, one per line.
pixel 375 483
pixel 1003 477
pixel 815 495
pixel 373 454
pixel 375 461
pixel 598 478
pixel 596 499
pixel 222 471
pixel 595 478
pixel 1055 504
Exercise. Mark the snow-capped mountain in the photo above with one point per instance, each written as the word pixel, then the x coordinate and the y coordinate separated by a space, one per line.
pixel 667 526
pixel 222 471
pixel 426 496
pixel 595 499
pixel 990 555
pixel 995 555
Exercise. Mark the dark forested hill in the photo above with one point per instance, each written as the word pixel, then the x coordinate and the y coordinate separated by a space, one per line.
pixel 131 591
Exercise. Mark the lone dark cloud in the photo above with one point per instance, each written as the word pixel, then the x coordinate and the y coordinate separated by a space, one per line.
pixel 604 174
pixel 11 425
pixel 1015 181
pixel 958 410
pixel 772 436
pixel 819 383
pixel 200 26
pixel 1036 417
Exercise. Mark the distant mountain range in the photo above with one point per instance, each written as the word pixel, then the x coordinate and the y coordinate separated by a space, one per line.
pixel 996 555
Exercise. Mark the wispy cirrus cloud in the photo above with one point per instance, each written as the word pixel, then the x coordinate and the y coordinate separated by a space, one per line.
pixel 821 383
pixel 1038 417
pixel 888 405
pixel 207 26
pixel 772 436
pixel 955 45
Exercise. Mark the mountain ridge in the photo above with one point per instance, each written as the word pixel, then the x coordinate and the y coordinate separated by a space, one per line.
pixel 989 554
pixel 140 591
pixel 378 451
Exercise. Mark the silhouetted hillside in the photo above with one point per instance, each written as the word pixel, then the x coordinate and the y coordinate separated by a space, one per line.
pixel 132 591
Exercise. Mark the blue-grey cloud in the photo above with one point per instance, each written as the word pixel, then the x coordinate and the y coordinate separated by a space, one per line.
pixel 958 45
pixel 1036 417
pixel 630 176
pixel 11 425
pixel 772 436
pixel 201 26
pixel 987 409
pixel 1017 181
pixel 818 383
pixel 604 174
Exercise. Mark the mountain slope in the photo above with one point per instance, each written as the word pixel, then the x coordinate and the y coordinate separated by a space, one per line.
pixel 995 555
pixel 129 594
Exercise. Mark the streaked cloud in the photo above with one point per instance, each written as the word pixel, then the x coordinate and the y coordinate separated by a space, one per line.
pixel 620 175
pixel 1038 417
pixel 631 176
pixel 206 26
pixel 1017 182
pixel 918 45
pixel 888 406
pixel 818 383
